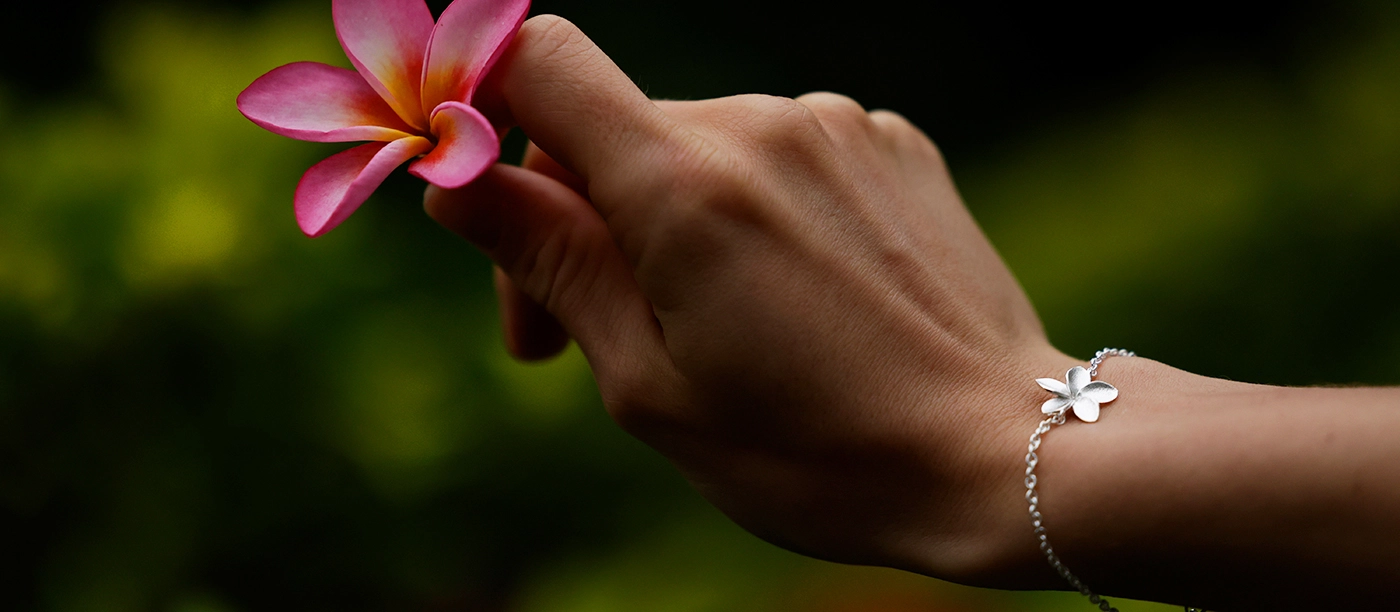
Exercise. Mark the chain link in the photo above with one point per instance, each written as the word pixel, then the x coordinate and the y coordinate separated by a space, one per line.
pixel 1104 354
pixel 1033 497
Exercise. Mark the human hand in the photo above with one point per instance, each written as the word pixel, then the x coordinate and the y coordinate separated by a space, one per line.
pixel 787 298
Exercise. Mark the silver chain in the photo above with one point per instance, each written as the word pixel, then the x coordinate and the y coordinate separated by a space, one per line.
pixel 1104 354
pixel 1033 498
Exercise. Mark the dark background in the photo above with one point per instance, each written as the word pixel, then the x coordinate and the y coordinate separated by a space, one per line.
pixel 999 68
pixel 200 409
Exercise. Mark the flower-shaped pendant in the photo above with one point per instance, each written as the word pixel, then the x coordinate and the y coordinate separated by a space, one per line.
pixel 1079 392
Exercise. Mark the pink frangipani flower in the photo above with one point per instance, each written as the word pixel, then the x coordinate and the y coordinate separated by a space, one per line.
pixel 410 94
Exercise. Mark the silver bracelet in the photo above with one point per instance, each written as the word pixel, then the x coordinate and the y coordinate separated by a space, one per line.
pixel 1083 395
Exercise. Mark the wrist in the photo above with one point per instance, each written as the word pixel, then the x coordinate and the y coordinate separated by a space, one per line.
pixel 1101 484
pixel 989 541
pixel 1080 464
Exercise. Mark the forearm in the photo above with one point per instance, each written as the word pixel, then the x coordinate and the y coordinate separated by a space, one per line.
pixel 1228 495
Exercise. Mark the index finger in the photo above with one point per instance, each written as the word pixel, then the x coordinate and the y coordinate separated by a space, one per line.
pixel 577 105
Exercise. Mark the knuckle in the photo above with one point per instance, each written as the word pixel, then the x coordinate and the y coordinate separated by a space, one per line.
pixel 904 135
pixel 891 122
pixel 837 106
pixel 781 122
pixel 839 113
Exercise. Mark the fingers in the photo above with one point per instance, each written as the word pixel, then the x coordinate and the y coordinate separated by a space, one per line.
pixel 531 333
pixel 556 251
pixel 539 161
pixel 581 109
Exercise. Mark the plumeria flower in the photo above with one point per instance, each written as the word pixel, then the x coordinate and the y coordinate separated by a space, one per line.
pixel 410 95
pixel 1079 392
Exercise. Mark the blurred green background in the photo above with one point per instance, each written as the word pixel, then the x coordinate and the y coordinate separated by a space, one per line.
pixel 203 411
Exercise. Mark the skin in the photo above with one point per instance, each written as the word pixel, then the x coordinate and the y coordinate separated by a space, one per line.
pixel 789 300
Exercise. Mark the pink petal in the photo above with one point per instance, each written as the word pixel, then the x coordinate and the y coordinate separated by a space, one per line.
pixel 334 188
pixel 469 37
pixel 386 41
pixel 467 146
pixel 312 101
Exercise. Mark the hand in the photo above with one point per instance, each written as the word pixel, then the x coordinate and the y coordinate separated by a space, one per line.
pixel 787 298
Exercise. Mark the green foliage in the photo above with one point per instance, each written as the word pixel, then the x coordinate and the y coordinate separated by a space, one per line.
pixel 202 410
pixel 1229 223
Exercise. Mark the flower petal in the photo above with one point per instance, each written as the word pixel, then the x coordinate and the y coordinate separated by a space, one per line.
pixel 386 41
pixel 1086 409
pixel 313 101
pixel 469 37
pixel 334 188
pixel 1100 392
pixel 1077 377
pixel 1054 404
pixel 1053 386
pixel 467 146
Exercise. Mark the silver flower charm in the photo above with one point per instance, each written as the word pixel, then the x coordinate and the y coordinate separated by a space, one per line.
pixel 1079 392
